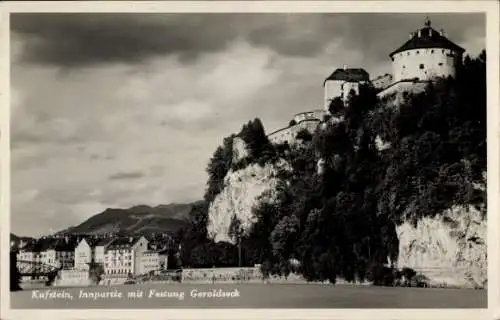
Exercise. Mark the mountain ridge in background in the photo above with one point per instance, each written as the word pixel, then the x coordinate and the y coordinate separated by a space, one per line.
pixel 139 219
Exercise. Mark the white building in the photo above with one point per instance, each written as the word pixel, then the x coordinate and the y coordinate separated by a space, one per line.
pixel 100 249
pixel 149 261
pixel 59 253
pixel 123 256
pixel 74 277
pixel 426 55
pixel 90 250
pixel 29 255
pixel 83 254
pixel 341 82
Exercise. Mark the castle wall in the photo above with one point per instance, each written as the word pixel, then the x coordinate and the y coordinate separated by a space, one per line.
pixel 382 82
pixel 310 115
pixel 425 64
pixel 394 94
pixel 289 134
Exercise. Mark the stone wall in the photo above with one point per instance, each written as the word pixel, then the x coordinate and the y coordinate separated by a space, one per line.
pixel 394 94
pixel 210 275
pixel 382 82
pixel 289 134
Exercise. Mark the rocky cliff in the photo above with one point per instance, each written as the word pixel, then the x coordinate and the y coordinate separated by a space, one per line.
pixel 243 190
pixel 449 249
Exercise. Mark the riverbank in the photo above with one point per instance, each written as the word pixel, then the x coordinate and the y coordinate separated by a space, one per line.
pixel 157 296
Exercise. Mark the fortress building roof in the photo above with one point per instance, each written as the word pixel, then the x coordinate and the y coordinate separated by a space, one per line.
pixel 350 75
pixel 427 37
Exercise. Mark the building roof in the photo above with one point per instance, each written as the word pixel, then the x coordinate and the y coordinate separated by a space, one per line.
pixel 63 245
pixel 349 74
pixel 97 241
pixel 123 243
pixel 44 244
pixel 429 38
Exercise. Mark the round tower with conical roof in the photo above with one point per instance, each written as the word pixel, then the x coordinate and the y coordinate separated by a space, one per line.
pixel 428 54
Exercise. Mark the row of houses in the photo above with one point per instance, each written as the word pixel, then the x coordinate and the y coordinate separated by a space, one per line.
pixel 117 257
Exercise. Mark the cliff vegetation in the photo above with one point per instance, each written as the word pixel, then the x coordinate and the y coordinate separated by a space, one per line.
pixel 344 207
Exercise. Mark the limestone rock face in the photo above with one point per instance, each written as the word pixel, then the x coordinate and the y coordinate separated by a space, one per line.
pixel 243 190
pixel 239 149
pixel 450 248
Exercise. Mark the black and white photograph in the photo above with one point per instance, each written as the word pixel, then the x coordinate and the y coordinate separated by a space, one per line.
pixel 256 160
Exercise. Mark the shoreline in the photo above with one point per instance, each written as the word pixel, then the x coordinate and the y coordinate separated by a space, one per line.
pixel 252 283
pixel 245 295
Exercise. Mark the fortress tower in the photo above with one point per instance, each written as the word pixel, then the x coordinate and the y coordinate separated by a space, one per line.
pixel 426 55
pixel 341 82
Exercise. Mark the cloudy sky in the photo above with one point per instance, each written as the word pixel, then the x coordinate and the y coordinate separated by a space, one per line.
pixel 115 110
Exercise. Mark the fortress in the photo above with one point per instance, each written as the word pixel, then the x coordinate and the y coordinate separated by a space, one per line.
pixel 426 56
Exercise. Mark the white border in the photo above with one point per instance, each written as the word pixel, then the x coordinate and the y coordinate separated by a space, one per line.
pixel 491 8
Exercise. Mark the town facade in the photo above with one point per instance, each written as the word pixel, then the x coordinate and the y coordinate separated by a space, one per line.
pixel 75 260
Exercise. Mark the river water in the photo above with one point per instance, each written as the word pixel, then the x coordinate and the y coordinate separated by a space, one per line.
pixel 151 296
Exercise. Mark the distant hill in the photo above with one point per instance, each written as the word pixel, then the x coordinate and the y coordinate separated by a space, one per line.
pixel 139 219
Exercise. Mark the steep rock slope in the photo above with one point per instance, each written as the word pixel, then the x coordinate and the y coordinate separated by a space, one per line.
pixel 244 190
pixel 449 249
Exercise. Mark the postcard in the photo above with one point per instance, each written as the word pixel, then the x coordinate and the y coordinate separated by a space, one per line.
pixel 250 160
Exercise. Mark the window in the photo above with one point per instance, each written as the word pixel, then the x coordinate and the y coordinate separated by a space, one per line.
pixel 404 67
pixel 421 66
pixel 432 51
pixel 440 64
pixel 408 53
pixel 418 52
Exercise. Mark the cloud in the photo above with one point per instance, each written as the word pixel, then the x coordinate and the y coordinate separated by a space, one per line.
pixel 96 126
pixel 81 39
pixel 126 175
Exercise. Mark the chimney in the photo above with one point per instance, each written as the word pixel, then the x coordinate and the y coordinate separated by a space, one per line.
pixel 441 33
pixel 130 239
pixel 419 33
pixel 345 67
pixel 66 239
pixel 411 35
pixel 430 32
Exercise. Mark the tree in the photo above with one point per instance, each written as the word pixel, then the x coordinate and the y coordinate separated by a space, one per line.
pixel 342 222
pixel 284 236
pixel 218 166
pixel 236 233
pixel 15 277
pixel 336 106
pixel 195 232
pixel 304 135
pixel 255 137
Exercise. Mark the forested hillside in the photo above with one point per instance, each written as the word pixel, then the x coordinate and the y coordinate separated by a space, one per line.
pixel 341 198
